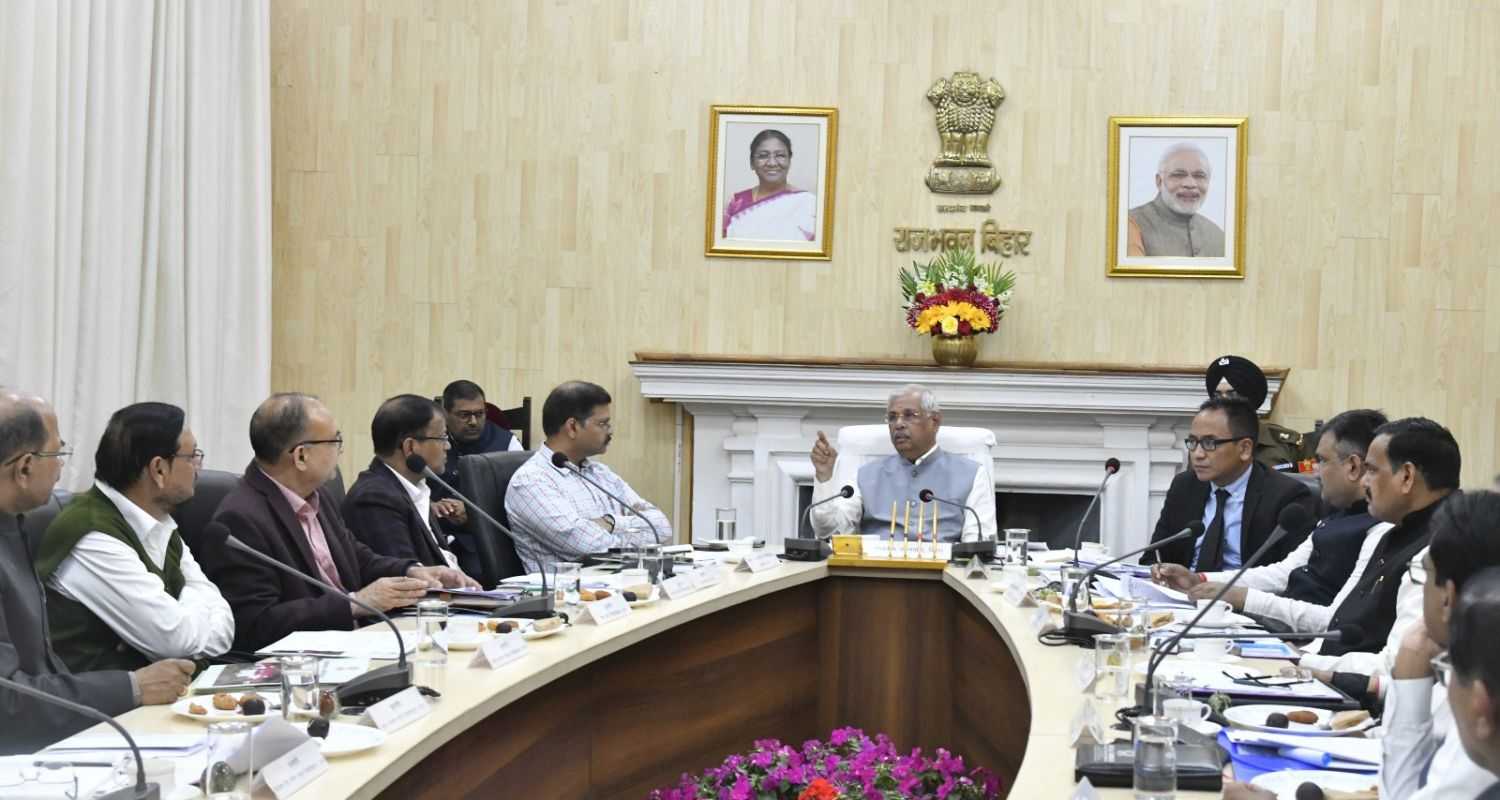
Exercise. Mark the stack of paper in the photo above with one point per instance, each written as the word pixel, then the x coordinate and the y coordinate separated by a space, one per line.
pixel 374 643
pixel 1342 752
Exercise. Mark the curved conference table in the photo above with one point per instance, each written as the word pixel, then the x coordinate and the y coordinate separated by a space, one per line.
pixel 930 658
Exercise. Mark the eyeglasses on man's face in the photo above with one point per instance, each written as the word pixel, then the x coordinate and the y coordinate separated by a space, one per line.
pixel 337 440
pixel 469 416
pixel 1208 443
pixel 62 454
pixel 908 417
pixel 195 457
pixel 445 439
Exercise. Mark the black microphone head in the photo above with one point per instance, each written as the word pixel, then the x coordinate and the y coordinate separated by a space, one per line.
pixel 847 491
pixel 416 463
pixel 559 460
pixel 1112 465
pixel 1351 633
pixel 1196 526
pixel 1295 519
pixel 925 495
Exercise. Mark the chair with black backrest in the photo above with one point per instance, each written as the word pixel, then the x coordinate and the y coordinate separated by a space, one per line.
pixel 193 516
pixel 516 420
pixel 486 477
pixel 335 487
pixel 37 519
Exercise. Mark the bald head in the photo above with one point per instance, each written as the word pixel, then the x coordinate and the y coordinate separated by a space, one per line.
pixel 30 451
pixel 296 441
pixel 279 423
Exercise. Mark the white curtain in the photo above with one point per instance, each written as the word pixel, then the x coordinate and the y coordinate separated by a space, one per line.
pixel 135 213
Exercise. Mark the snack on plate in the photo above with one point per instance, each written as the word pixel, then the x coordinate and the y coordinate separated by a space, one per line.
pixel 601 594
pixel 225 702
pixel 506 627
pixel 587 595
pixel 546 624
pixel 1276 719
pixel 252 705
pixel 1345 720
pixel 1302 716
pixel 318 728
pixel 641 590
pixel 197 710
pixel 1101 603
pixel 630 597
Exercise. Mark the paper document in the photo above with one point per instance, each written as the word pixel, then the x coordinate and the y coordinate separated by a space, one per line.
pixel 374 643
pixel 181 742
pixel 1344 748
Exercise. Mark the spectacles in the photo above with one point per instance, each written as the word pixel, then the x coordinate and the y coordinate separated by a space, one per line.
pixel 196 457
pixel 447 442
pixel 603 425
pixel 1265 681
pixel 1442 668
pixel 906 416
pixel 338 439
pixel 61 455
pixel 45 773
pixel 1417 571
pixel 469 416
pixel 765 156
pixel 1208 443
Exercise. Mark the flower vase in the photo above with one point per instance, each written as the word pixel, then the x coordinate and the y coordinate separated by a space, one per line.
pixel 955 351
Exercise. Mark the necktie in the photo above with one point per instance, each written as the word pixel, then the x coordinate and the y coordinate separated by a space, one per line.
pixel 1211 555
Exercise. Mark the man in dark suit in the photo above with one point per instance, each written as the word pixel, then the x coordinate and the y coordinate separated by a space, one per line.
pixel 31 458
pixel 389 507
pixel 281 509
pixel 1236 498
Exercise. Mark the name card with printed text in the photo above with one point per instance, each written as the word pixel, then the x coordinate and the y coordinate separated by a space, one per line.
pixel 296 769
pixel 679 586
pixel 499 651
pixel 399 710
pixel 759 562
pixel 610 609
pixel 708 575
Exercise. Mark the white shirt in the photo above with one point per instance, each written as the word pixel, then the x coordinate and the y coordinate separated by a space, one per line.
pixel 1420 737
pixel 421 497
pixel 1408 611
pixel 1300 614
pixel 845 513
pixel 107 577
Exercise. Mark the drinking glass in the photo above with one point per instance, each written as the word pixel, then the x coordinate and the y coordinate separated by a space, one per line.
pixel 229 745
pixel 724 523
pixel 1073 576
pixel 1015 544
pixel 651 561
pixel 1169 687
pixel 1111 666
pixel 1138 630
pixel 430 661
pixel 299 685
pixel 565 578
pixel 1155 758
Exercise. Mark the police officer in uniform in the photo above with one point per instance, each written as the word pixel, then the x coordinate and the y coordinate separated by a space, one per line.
pixel 1277 447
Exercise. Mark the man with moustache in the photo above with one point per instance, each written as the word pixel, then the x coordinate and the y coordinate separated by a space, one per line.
pixel 1170 224
pixel 555 513
pixel 122 589
pixel 471 433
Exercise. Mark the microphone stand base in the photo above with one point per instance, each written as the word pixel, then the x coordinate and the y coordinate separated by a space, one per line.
pixel 806 549
pixel 530 608
pixel 150 791
pixel 1084 627
pixel 374 686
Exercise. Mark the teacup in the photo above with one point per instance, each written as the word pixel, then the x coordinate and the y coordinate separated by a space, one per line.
pixel 1217 613
pixel 1185 711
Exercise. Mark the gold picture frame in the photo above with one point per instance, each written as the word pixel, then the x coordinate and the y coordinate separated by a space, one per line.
pixel 779 205
pixel 1188 226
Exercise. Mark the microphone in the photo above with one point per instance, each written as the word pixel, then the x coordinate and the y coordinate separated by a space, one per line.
pixel 561 461
pixel 369 688
pixel 814 549
pixel 927 496
pixel 1351 633
pixel 141 790
pixel 1076 624
pixel 1292 516
pixel 1111 466
pixel 532 608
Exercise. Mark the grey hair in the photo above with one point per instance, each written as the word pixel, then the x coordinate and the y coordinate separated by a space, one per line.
pixel 22 426
pixel 924 396
pixel 1184 147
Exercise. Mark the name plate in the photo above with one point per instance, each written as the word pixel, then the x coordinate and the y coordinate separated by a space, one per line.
pixel 296 769
pixel 1040 619
pixel 499 651
pixel 679 586
pixel 1015 595
pixel 708 574
pixel 1083 677
pixel 399 710
pixel 601 612
pixel 759 562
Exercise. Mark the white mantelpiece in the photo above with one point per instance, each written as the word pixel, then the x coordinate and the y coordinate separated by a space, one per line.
pixel 755 421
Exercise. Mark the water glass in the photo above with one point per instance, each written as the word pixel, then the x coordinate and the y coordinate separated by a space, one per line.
pixel 1074 576
pixel 724 523
pixel 1111 666
pixel 651 561
pixel 229 748
pixel 430 661
pixel 1169 687
pixel 565 578
pixel 299 686
pixel 1016 540
pixel 1155 758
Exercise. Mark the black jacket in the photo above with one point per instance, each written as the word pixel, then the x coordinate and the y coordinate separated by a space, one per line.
pixel 1372 604
pixel 268 603
pixel 381 514
pixel 1265 495
pixel 1336 544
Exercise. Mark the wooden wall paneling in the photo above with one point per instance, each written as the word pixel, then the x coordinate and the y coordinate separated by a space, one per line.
pixel 512 192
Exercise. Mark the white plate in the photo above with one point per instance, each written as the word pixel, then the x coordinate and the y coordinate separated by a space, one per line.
pixel 344 739
pixel 1227 621
pixel 1253 717
pixel 180 708
pixel 655 595
pixel 1285 783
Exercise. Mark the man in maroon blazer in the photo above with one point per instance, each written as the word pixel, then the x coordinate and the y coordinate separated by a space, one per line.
pixel 281 509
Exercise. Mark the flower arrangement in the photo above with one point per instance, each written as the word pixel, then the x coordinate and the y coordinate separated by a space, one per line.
pixel 955 295
pixel 849 766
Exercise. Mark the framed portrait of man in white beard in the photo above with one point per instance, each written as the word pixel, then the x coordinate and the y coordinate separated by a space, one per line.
pixel 1177 196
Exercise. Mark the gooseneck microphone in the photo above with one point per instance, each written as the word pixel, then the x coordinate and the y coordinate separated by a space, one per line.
pixel 561 461
pixel 141 790
pixel 1349 633
pixel 814 549
pixel 1111 466
pixel 1292 517
pixel 367 689
pixel 1082 627
pixel 532 608
pixel 927 496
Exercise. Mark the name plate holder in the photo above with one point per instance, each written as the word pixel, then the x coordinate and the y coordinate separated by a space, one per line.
pixel 756 563
pixel 603 612
pixel 295 770
pixel 399 710
pixel 680 586
pixel 499 651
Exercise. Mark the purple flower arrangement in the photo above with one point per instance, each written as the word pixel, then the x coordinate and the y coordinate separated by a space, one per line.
pixel 849 766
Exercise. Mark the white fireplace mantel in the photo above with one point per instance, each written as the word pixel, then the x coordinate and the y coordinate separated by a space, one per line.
pixel 754 422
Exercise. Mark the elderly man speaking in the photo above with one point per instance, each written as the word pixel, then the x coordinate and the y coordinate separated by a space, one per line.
pixel 1170 224
pixel 913 417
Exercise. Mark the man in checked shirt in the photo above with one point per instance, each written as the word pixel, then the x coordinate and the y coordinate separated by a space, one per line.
pixel 559 516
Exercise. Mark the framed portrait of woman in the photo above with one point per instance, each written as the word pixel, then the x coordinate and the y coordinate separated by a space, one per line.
pixel 770 182
pixel 1177 197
